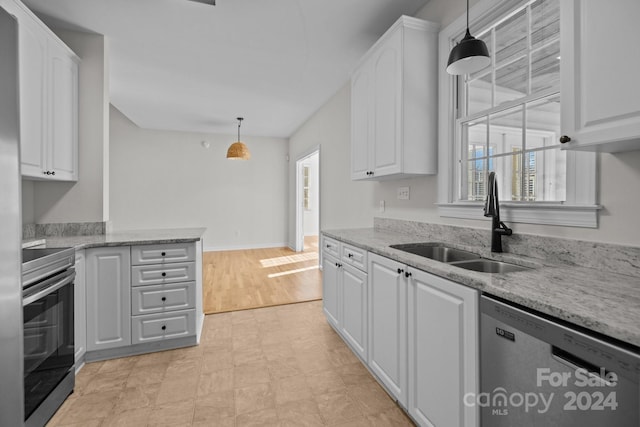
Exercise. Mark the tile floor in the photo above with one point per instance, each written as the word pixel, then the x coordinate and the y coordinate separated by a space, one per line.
pixel 275 366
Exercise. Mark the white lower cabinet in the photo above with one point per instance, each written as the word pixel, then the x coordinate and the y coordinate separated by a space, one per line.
pixel 344 295
pixel 331 275
pixel 388 324
pixel 442 350
pixel 416 332
pixel 108 297
pixel 354 309
pixel 80 309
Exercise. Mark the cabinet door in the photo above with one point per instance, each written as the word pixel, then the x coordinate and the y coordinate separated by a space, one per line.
pixel 354 309
pixel 599 83
pixel 80 309
pixel 387 94
pixel 33 66
pixel 63 125
pixel 443 351
pixel 361 109
pixel 108 297
pixel 388 324
pixel 331 276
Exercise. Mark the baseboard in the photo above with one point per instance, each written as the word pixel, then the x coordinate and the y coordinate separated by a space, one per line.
pixel 244 247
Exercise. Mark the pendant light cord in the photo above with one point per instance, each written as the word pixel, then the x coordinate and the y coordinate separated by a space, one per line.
pixel 240 122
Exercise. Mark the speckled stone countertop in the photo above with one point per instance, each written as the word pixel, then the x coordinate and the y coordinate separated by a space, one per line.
pixel 603 302
pixel 119 238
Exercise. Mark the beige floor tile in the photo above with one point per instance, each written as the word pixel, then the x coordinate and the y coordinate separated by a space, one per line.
pixel 177 390
pixel 105 382
pixel 217 360
pixel 160 357
pixel 338 407
pixel 175 414
pixel 130 418
pixel 277 351
pixel 89 407
pixel 215 407
pixel 283 368
pixel 250 374
pixel 262 418
pixel 215 381
pixel 354 374
pixel 248 356
pixel 254 398
pixel 291 389
pixel 193 352
pixel 91 423
pixel 371 397
pixel 181 368
pixel 390 417
pixel 299 413
pixel 147 374
pixel 137 397
pixel 326 382
pixel 121 364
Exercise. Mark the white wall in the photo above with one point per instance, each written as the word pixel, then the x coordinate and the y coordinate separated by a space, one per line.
pixel 343 203
pixel 87 199
pixel 311 220
pixel 163 179
pixel 353 204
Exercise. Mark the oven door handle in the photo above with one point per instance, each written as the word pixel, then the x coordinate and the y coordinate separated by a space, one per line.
pixel 49 289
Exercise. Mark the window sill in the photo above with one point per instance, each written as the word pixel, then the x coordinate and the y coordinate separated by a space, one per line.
pixel 529 213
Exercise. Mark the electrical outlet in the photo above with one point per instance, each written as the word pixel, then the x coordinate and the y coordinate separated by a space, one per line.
pixel 403 193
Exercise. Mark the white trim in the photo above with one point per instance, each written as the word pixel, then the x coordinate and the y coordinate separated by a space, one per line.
pixel 580 208
pixel 528 213
pixel 299 226
pixel 244 247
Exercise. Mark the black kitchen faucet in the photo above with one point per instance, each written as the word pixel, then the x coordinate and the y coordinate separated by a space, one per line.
pixel 492 209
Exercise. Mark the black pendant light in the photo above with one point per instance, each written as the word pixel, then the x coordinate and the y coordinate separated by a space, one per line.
pixel 468 56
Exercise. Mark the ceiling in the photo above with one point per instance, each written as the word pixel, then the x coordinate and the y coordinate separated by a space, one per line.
pixel 188 66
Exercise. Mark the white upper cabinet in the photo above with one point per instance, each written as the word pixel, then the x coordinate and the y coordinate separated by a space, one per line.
pixel 394 104
pixel 48 100
pixel 600 90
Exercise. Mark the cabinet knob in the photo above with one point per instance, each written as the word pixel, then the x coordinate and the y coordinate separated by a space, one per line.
pixel 164 299
pixel 163 254
pixel 407 274
pixel 53 173
pixel 564 139
pixel 400 271
pixel 164 327
pixel 328 246
pixel 350 255
pixel 164 274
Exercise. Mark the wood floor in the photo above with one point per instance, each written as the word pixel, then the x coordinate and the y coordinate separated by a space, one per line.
pixel 239 280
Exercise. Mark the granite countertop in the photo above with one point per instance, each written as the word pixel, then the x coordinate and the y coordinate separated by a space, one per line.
pixel 119 238
pixel 600 301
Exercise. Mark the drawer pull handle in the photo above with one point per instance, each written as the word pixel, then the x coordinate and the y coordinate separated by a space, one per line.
pixel 164 299
pixel 164 327
pixel 564 139
pixel 164 274
pixel 164 254
pixel 350 255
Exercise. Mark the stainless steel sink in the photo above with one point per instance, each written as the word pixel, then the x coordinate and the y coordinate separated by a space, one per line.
pixel 489 266
pixel 436 251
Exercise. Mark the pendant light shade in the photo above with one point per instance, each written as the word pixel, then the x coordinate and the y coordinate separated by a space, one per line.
pixel 468 56
pixel 238 150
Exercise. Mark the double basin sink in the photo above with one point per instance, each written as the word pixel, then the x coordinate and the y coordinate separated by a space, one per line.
pixel 458 258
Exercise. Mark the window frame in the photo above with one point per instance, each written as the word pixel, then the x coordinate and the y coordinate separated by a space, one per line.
pixel 580 208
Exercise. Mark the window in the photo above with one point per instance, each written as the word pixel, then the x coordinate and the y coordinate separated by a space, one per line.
pixel 506 118
pixel 305 188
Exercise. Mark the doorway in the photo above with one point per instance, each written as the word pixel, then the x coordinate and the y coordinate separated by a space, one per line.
pixel 308 201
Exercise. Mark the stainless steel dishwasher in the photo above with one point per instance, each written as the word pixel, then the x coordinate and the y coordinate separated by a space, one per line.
pixel 538 372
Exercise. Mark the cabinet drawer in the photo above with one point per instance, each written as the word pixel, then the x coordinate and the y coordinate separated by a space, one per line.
pixel 156 254
pixel 354 256
pixel 163 273
pixel 154 327
pixel 162 298
pixel 330 246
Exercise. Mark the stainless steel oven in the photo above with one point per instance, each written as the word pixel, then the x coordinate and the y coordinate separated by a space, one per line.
pixel 48 278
